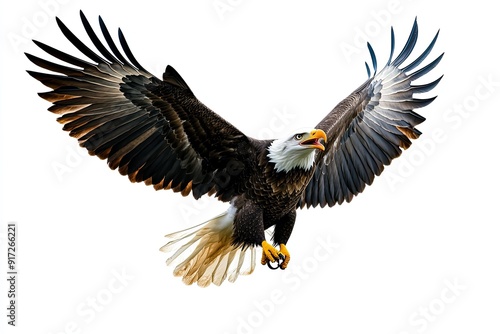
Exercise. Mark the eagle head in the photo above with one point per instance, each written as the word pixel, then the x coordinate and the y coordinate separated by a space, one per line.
pixel 297 150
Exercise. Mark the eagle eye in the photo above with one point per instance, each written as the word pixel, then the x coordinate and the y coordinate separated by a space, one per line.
pixel 298 136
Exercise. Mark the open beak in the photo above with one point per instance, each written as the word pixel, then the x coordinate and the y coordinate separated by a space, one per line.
pixel 312 140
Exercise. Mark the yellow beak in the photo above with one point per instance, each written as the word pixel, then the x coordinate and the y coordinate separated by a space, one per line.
pixel 311 140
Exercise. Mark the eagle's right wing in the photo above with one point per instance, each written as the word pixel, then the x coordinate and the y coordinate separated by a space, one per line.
pixel 152 130
pixel 368 129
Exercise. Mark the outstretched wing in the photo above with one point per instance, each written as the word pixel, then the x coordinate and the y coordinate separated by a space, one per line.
pixel 368 129
pixel 151 130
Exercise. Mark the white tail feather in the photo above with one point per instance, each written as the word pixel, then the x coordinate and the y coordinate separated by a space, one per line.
pixel 214 253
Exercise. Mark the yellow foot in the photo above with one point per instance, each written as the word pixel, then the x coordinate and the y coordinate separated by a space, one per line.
pixel 285 253
pixel 271 255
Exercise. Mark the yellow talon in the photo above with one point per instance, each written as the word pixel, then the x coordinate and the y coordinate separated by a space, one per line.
pixel 285 252
pixel 269 253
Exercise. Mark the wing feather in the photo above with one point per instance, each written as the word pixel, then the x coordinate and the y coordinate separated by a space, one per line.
pixel 155 131
pixel 368 129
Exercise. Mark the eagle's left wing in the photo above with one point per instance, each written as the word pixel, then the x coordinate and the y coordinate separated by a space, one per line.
pixel 368 129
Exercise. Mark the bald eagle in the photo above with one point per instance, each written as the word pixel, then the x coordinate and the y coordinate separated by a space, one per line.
pixel 157 132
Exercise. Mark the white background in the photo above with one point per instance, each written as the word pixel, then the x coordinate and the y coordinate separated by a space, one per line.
pixel 428 223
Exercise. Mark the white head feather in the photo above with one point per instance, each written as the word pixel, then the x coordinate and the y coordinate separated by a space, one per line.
pixel 287 154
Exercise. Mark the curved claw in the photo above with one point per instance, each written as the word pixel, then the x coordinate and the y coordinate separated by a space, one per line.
pixel 279 263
